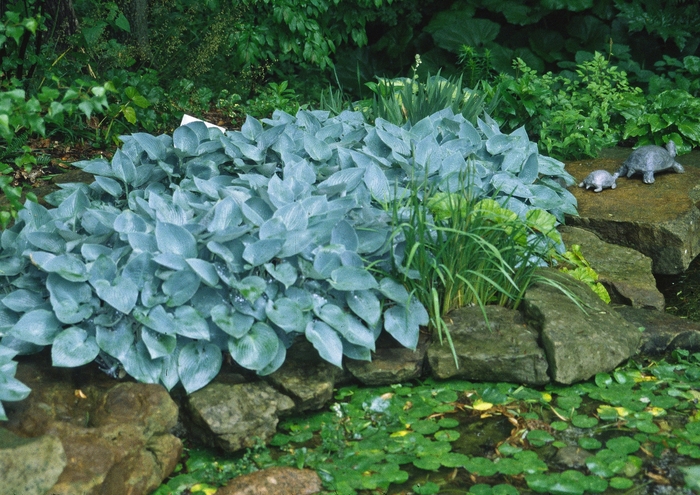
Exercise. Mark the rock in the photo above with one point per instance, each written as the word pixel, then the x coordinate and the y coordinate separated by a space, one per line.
pixel 274 481
pixel 624 272
pixel 115 435
pixel 661 221
pixel 572 457
pixel 663 331
pixel 232 416
pixel 29 466
pixel 505 352
pixel 578 345
pixel 306 378
pixel 394 364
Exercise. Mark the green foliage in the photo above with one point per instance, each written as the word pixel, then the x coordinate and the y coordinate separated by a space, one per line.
pixel 581 270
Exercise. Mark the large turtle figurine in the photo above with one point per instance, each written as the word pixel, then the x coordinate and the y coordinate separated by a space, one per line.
pixel 649 159
pixel 599 179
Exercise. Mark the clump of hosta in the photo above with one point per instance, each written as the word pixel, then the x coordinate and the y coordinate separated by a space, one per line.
pixel 203 242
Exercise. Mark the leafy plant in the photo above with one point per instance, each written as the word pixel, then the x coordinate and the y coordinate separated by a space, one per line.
pixel 582 271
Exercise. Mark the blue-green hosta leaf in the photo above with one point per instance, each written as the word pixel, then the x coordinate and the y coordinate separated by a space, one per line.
pixel 394 291
pixel 394 143
pixel 356 352
pixel 276 362
pixel 349 278
pixel 180 287
pixel 318 150
pixel 365 304
pixel 11 266
pixel 158 344
pixel 121 294
pixel 513 161
pixel 128 222
pixel 110 186
pixel 189 323
pixel 174 239
pixel 157 319
pixel 344 234
pixel 251 128
pixel 530 170
pixel 173 261
pixel 98 166
pixel 8 319
pixel 104 268
pixel 73 347
pixel 506 184
pixel 186 140
pixel 326 341
pixel 251 288
pixel 204 270
pixel 122 166
pixel 169 376
pixel 283 272
pixel 23 300
pixel 257 348
pixel 138 364
pixel 66 265
pixel 231 321
pixel 377 183
pixel 51 242
pixel 293 216
pixel 227 214
pixel 11 390
pixel 69 300
pixel 38 327
pixel 262 251
pixel 279 191
pixel 117 340
pixel 153 146
pixel 93 251
pixel 341 181
pixel 286 314
pixel 327 259
pixel 198 364
pixel 403 323
pixel 145 243
pixel 139 269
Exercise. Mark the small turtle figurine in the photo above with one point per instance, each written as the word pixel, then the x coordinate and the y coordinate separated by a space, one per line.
pixel 649 159
pixel 599 179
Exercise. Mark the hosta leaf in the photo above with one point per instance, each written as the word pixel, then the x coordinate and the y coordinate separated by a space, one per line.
pixel 350 278
pixel 23 300
pixel 157 319
pixel 276 362
pixel 341 181
pixel 327 260
pixel 138 363
pixel 151 145
pixel 38 327
pixel 403 323
pixel 326 341
pixel 186 140
pixel 122 166
pixel 365 304
pixel 51 242
pixel 394 291
pixel 66 265
pixel 158 344
pixel 189 323
pixel 286 314
pixel 251 288
pixel 174 239
pixel 180 287
pixel 128 222
pixel 344 234
pixel 227 214
pixel 69 300
pixel 262 251
pixel 110 186
pixel 256 349
pixel 231 321
pixel 73 347
pixel 377 183
pixel 121 295
pixel 318 150
pixel 139 269
pixel 284 273
pixel 115 341
pixel 205 271
pixel 11 390
pixel 530 170
pixel 356 352
pixel 169 375
pixel 198 364
pixel 167 211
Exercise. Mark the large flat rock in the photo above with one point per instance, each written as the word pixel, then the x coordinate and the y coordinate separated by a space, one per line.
pixel 660 220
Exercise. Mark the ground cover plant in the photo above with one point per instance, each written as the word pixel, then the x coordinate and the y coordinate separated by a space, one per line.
pixel 638 427
pixel 203 242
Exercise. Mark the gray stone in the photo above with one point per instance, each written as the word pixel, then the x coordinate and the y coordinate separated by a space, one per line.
pixel 390 365
pixel 624 272
pixel 663 331
pixel 231 417
pixel 662 222
pixel 507 351
pixel 115 435
pixel 306 378
pixel 29 466
pixel 578 344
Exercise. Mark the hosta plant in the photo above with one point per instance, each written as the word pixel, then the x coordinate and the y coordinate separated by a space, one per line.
pixel 188 245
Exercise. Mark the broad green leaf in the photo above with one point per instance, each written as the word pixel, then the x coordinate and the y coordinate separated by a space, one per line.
pixel 69 300
pixel 318 150
pixel 66 265
pixel 128 222
pixel 365 304
pixel 51 242
pixel 350 278
pixel 186 140
pixel 121 295
pixel 189 323
pixel 283 272
pixel 344 234
pixel 326 341
pixel 122 166
pixel 205 271
pixel 174 239
pixel 230 321
pixel 180 287
pixel 138 364
pixel 158 344
pixel 117 340
pixel 198 364
pixel 151 145
pixel 11 390
pixel 23 300
pixel 256 349
pixel 262 251
pixel 286 314
pixel 251 288
pixel 38 327
pixel 394 291
pixel 73 347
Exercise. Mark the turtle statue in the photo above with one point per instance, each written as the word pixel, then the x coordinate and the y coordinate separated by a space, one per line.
pixel 599 180
pixel 649 159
